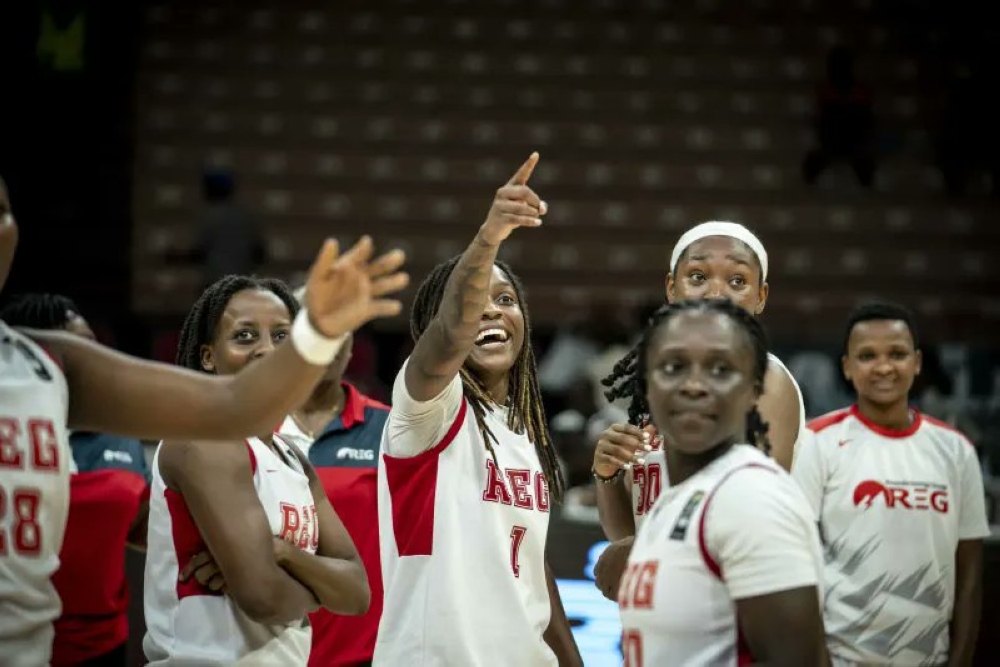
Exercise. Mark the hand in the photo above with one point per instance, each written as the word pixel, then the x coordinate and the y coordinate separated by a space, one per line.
pixel 620 446
pixel 516 205
pixel 611 565
pixel 345 291
pixel 281 548
pixel 205 572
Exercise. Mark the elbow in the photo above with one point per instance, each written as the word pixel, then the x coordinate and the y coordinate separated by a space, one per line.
pixel 266 602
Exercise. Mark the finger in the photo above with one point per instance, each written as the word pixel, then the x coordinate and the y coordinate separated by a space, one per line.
pixel 360 252
pixel 628 453
pixel 386 263
pixel 519 193
pixel 204 574
pixel 615 460
pixel 199 560
pixel 516 207
pixel 327 257
pixel 384 308
pixel 390 284
pixel 521 220
pixel 631 429
pixel 216 583
pixel 522 175
pixel 624 440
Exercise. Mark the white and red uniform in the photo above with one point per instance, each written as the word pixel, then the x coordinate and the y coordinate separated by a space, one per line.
pixel 35 465
pixel 462 538
pixel 892 507
pixel 738 528
pixel 188 624
pixel 649 478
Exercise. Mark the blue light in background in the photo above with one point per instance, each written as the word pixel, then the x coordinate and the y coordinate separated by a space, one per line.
pixel 599 632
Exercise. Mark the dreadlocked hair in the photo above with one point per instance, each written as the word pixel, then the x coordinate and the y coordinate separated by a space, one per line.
pixel 524 398
pixel 203 319
pixel 39 311
pixel 628 377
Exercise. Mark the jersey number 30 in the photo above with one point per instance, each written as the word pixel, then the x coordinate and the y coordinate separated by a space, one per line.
pixel 20 531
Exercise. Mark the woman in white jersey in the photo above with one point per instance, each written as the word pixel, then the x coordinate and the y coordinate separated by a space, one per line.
pixel 711 260
pixel 257 506
pixel 726 568
pixel 900 504
pixel 54 380
pixel 467 471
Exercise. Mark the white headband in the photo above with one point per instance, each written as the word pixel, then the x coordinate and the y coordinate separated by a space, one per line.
pixel 718 228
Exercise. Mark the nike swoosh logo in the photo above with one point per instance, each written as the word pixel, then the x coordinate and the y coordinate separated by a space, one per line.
pixel 841 443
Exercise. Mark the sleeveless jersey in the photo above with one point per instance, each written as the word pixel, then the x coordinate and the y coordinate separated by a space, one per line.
pixel 34 496
pixel 188 624
pixel 650 477
pixel 463 551
pixel 708 549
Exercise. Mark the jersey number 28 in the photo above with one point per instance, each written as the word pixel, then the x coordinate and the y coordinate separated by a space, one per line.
pixel 20 532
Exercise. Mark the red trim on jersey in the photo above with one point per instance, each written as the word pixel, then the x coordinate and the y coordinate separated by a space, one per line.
pixel 412 483
pixel 888 432
pixel 253 458
pixel 354 406
pixel 48 353
pixel 744 658
pixel 710 562
pixel 827 420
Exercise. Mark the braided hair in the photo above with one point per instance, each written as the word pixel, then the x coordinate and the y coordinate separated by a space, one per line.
pixel 203 319
pixel 39 311
pixel 628 378
pixel 526 414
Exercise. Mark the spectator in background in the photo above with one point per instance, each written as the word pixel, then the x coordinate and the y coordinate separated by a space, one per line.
pixel 231 240
pixel 845 121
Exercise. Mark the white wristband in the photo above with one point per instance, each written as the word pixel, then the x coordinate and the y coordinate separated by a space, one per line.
pixel 311 345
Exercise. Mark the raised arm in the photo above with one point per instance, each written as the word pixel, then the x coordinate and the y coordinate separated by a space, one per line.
pixel 116 393
pixel 335 573
pixel 444 346
pixel 216 484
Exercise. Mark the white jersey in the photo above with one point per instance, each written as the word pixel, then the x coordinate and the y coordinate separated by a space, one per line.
pixel 35 463
pixel 462 538
pixel 892 507
pixel 739 528
pixel 188 624
pixel 649 478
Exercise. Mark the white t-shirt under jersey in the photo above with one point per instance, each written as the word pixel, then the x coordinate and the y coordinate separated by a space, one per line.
pixel 35 464
pixel 649 478
pixel 462 538
pixel 188 624
pixel 739 528
pixel 892 507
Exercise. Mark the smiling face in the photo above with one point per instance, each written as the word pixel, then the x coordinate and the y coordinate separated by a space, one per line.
pixel 719 267
pixel 254 323
pixel 881 362
pixel 8 235
pixel 700 383
pixel 501 330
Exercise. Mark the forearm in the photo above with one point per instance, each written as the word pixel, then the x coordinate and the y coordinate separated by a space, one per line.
pixel 614 507
pixel 558 635
pixel 467 288
pixel 341 586
pixel 965 624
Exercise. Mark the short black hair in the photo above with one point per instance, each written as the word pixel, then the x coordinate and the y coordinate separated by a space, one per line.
pixel 882 310
pixel 39 311
pixel 628 378
pixel 203 319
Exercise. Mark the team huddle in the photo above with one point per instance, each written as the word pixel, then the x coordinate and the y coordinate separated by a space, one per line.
pixel 288 519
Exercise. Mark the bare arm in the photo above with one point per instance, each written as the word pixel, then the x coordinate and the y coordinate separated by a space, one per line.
pixel 784 629
pixel 442 349
pixel 120 394
pixel 335 573
pixel 968 602
pixel 216 483
pixel 558 635
pixel 616 448
pixel 779 406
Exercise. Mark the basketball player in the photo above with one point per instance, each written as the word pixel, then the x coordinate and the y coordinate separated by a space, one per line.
pixel 256 506
pixel 116 393
pixel 467 470
pixel 108 505
pixel 727 567
pixel 900 504
pixel 711 260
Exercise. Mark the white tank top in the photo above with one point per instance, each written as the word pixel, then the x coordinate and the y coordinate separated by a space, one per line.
pixel 187 624
pixel 34 496
pixel 650 477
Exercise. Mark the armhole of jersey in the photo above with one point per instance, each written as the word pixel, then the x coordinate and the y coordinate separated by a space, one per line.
pixel 442 445
pixel 253 457
pixel 710 562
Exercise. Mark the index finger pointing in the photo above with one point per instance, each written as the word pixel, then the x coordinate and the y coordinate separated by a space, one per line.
pixel 522 175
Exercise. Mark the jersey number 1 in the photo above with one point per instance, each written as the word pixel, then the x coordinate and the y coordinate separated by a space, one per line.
pixel 516 537
pixel 22 505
